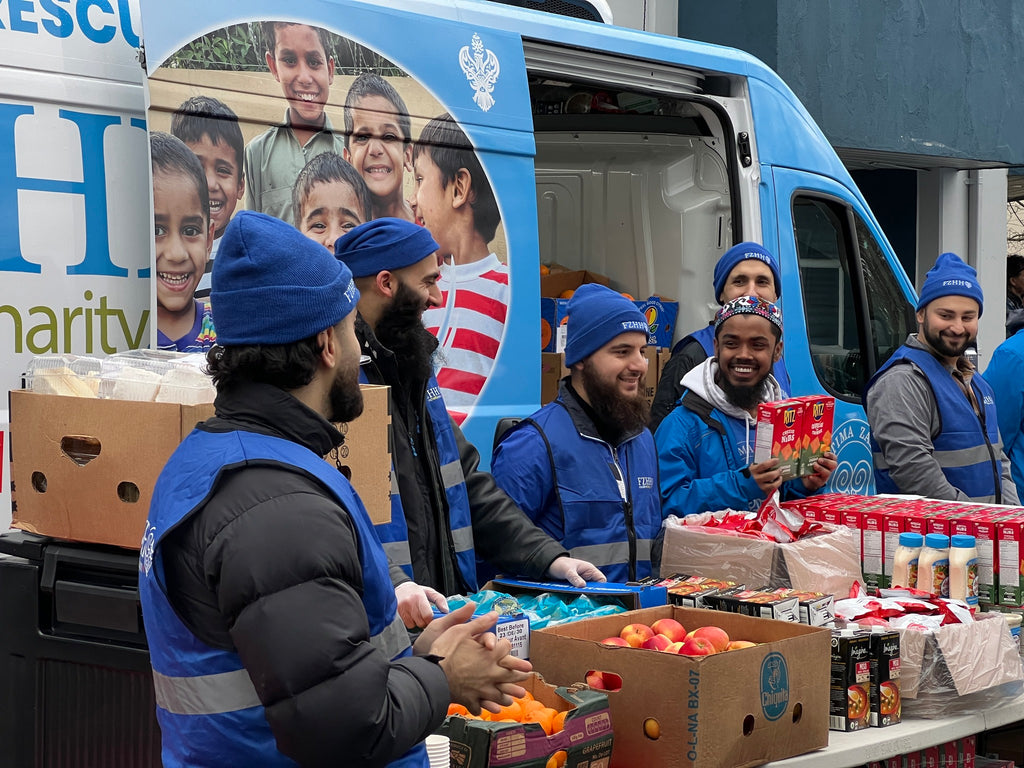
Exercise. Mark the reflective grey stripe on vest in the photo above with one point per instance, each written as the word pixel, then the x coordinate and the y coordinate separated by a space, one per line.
pixel 462 538
pixel 452 474
pixel 393 639
pixel 963 457
pixel 205 694
pixel 398 552
pixel 612 554
pixel 394 483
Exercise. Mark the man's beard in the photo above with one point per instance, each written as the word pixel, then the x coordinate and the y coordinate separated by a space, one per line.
pixel 743 396
pixel 345 398
pixel 624 413
pixel 942 346
pixel 400 329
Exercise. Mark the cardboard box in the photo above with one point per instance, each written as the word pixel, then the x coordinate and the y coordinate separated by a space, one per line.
pixel 84 469
pixel 886 704
pixel 650 386
pixel 553 310
pixel 661 316
pixel 629 596
pixel 828 562
pixel 552 371
pixel 585 740
pixel 849 682
pixel 741 707
pixel 779 435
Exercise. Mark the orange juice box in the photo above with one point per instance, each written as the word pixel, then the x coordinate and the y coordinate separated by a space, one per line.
pixel 816 437
pixel 780 435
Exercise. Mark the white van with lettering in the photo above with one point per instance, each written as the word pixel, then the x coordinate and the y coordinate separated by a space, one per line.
pixel 636 156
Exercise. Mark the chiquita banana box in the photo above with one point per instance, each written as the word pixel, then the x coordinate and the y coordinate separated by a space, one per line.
pixel 780 435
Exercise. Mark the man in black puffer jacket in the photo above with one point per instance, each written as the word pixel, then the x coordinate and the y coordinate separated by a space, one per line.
pixel 269 609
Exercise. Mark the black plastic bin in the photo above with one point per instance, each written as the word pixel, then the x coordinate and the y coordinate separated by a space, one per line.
pixel 77 685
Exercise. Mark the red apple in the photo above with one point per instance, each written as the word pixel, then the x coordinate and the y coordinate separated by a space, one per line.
pixel 635 634
pixel 614 641
pixel 717 636
pixel 656 643
pixel 735 645
pixel 670 628
pixel 697 646
pixel 595 680
pixel 674 648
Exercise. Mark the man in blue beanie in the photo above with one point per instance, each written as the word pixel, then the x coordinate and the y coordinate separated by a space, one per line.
pixel 584 467
pixel 706 443
pixel 447 512
pixel 746 269
pixel 269 610
pixel 934 429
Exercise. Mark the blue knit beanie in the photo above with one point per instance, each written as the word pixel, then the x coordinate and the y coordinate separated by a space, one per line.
pixel 273 285
pixel 597 314
pixel 950 277
pixel 742 252
pixel 384 244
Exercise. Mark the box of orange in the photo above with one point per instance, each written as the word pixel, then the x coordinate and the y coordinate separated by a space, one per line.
pixel 780 435
pixel 816 440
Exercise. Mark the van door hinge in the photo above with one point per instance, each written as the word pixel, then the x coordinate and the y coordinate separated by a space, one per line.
pixel 743 145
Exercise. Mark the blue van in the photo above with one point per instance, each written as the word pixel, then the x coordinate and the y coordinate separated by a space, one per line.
pixel 636 156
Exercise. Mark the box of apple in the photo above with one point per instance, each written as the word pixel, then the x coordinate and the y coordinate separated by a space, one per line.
pixel 689 687
pixel 669 636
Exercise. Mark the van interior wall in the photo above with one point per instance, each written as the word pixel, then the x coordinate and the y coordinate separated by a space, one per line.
pixel 649 211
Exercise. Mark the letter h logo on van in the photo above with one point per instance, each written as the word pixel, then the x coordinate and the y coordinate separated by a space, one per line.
pixel 93 188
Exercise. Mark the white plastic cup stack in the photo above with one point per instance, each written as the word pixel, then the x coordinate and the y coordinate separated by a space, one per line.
pixel 438 751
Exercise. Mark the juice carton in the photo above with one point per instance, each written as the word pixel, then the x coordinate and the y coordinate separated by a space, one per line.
pixel 968 750
pixel 886 701
pixel 930 757
pixel 779 435
pixel 819 411
pixel 949 755
pixel 849 681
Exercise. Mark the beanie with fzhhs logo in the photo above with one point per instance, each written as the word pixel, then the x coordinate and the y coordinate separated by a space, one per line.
pixel 597 314
pixel 950 277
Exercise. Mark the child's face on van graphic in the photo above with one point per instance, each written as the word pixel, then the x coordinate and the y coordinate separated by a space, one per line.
pixel 184 236
pixel 434 202
pixel 304 71
pixel 223 177
pixel 330 210
pixel 377 147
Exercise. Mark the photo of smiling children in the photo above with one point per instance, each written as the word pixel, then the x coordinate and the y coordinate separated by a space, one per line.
pixel 184 236
pixel 378 142
pixel 210 129
pixel 455 201
pixel 297 58
pixel 329 199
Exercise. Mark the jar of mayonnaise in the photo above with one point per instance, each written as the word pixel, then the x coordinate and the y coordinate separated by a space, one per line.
pixel 933 565
pixel 963 569
pixel 904 560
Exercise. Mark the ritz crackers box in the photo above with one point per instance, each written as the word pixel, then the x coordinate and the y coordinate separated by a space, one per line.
pixel 819 413
pixel 780 435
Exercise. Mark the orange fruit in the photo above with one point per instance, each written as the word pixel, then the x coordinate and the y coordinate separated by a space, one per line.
pixel 513 711
pixel 544 717
pixel 457 709
pixel 545 269
pixel 545 333
pixel 557 760
pixel 527 696
pixel 628 296
pixel 529 706
pixel 558 724
pixel 567 294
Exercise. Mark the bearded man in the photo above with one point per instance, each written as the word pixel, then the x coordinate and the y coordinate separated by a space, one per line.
pixel 446 512
pixel 583 467
pixel 706 443
pixel 933 417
